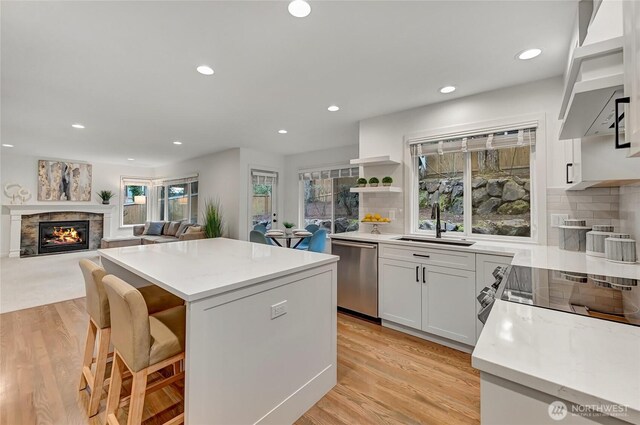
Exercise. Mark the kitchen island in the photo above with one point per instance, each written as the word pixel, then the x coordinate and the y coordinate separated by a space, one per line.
pixel 261 324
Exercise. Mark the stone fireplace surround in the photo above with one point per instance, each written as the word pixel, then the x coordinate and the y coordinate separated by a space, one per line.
pixel 26 217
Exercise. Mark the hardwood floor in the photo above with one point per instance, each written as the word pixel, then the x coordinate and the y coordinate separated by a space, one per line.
pixel 384 376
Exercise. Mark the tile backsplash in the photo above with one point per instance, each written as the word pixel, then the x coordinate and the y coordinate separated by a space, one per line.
pixel 630 212
pixel 598 205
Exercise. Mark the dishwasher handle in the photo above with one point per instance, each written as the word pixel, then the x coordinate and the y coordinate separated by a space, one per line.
pixel 354 245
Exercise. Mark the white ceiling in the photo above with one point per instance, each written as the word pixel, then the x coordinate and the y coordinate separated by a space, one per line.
pixel 126 70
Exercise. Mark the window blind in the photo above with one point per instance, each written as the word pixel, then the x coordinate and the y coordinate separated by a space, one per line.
pixel 479 142
pixel 329 173
pixel 264 177
pixel 176 180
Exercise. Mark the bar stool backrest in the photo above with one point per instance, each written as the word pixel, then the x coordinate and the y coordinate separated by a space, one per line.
pixel 130 332
pixel 97 303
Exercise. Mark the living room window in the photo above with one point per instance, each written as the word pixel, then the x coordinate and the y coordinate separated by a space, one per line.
pixel 326 199
pixel 177 199
pixel 482 182
pixel 134 201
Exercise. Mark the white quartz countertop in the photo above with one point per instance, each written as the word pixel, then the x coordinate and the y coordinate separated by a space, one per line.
pixel 541 256
pixel 573 357
pixel 202 268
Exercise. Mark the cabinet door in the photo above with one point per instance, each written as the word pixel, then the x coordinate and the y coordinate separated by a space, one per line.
pixel 400 291
pixel 485 265
pixel 631 28
pixel 448 309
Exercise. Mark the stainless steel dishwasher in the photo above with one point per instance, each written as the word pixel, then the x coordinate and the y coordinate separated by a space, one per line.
pixel 357 276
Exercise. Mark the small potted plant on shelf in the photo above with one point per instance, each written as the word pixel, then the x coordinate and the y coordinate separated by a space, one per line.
pixel 386 181
pixel 362 182
pixel 288 227
pixel 106 196
pixel 373 182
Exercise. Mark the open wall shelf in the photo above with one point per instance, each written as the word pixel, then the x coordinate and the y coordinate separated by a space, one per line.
pixel 374 160
pixel 379 189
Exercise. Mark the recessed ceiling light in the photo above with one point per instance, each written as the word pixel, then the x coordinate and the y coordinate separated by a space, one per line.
pixel 282 131
pixel 205 70
pixel 130 159
pixel 177 143
pixel 299 8
pixel 7 145
pixel 447 89
pixel 77 125
pixel 529 54
pixel 333 108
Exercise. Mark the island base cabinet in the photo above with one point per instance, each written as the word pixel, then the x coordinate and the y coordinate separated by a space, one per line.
pixel 432 299
pixel 264 354
pixel 400 292
pixel 448 304
pixel 504 402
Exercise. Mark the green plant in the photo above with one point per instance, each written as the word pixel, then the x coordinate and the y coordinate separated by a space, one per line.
pixel 387 180
pixel 288 225
pixel 213 223
pixel 136 191
pixel 106 195
pixel 362 181
pixel 374 180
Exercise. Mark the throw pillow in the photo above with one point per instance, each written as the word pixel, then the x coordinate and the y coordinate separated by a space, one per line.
pixel 183 227
pixel 146 227
pixel 172 228
pixel 193 229
pixel 155 228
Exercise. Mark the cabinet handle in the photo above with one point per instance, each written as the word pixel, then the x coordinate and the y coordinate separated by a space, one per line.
pixel 617 124
pixel 569 164
pixel 417 275
pixel 421 255
pixel 424 279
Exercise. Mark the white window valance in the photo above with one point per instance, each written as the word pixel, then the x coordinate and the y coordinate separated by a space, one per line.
pixel 509 138
pixel 264 177
pixel 329 173
pixel 176 180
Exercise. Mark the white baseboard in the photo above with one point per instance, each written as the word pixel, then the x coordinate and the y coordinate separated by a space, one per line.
pixel 429 337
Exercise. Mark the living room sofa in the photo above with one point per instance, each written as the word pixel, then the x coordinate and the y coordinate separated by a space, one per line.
pixel 156 232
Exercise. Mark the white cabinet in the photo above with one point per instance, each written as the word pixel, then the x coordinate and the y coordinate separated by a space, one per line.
pixel 631 40
pixel 433 299
pixel 447 304
pixel 400 290
pixel 485 265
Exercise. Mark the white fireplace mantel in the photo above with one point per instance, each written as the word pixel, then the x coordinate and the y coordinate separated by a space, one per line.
pixel 17 211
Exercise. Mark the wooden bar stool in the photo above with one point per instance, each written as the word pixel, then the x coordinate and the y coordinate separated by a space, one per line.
pixel 97 305
pixel 143 344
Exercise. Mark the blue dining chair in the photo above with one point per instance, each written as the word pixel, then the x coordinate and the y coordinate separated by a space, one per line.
pixel 260 228
pixel 304 245
pixel 257 237
pixel 318 241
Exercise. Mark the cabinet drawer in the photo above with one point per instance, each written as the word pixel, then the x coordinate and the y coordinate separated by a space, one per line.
pixel 430 256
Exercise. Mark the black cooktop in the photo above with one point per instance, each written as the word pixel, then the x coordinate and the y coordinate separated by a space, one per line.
pixel 600 297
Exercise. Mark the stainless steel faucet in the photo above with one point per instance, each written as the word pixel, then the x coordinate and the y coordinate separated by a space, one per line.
pixel 435 213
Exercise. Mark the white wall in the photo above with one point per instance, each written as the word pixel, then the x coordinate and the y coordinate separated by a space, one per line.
pixel 384 135
pixel 23 170
pixel 218 179
pixel 315 159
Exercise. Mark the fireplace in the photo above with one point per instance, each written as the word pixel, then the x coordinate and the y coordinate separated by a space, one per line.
pixel 63 236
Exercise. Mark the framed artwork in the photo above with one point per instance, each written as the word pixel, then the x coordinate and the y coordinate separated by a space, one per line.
pixel 64 181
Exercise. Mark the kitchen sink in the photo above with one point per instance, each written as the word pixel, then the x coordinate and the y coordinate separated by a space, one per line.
pixel 435 240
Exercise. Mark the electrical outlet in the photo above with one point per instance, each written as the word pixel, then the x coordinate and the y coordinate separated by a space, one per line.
pixel 558 219
pixel 279 309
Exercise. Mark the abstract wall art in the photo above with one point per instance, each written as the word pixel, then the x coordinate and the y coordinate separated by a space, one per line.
pixel 64 181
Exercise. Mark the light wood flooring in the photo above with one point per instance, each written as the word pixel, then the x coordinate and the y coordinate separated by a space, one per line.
pixel 384 376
